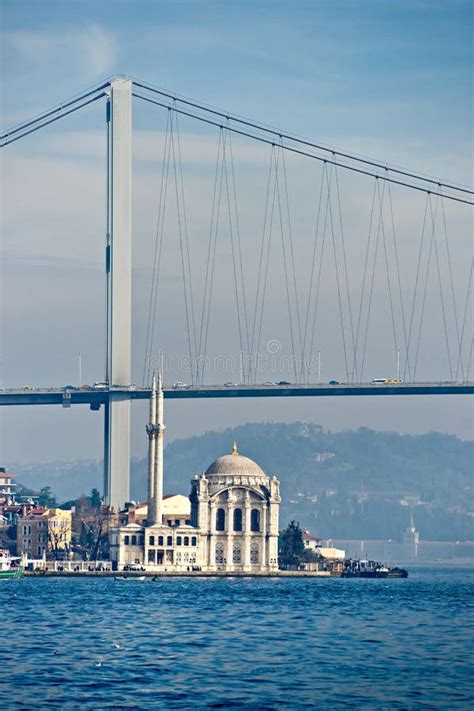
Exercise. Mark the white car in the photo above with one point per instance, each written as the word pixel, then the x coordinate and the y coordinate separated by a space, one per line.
pixel 230 385
pixel 179 384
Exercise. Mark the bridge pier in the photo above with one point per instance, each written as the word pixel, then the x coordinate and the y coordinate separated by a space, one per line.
pixel 119 292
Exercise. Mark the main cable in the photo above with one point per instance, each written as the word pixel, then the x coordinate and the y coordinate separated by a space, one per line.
pixel 311 144
pixel 51 120
pixel 300 152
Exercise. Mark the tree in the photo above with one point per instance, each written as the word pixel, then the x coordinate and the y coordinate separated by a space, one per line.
pixel 46 497
pixel 290 545
pixel 95 498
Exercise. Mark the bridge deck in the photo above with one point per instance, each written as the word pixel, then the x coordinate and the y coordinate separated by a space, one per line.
pixel 96 397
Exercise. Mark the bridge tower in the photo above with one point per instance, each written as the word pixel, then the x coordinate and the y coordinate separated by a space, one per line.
pixel 119 292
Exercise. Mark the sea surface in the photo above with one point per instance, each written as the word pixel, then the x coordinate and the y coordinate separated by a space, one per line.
pixel 198 643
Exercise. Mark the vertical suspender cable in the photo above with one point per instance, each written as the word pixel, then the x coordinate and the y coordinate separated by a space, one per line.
pixel 186 241
pixel 346 272
pixel 466 307
pixel 327 176
pixel 213 251
pixel 201 364
pixel 443 309
pixel 239 250
pixel 364 278
pixel 451 282
pixel 311 277
pixel 413 305
pixel 292 250
pixel 425 289
pixel 381 196
pixel 266 263
pixel 259 284
pixel 339 297
pixel 397 264
pixel 285 269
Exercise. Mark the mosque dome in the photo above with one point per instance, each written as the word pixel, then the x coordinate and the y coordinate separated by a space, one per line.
pixel 235 464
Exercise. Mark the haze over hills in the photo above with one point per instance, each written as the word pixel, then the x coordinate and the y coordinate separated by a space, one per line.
pixel 352 484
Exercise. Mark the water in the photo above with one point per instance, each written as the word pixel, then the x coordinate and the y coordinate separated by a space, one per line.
pixel 238 643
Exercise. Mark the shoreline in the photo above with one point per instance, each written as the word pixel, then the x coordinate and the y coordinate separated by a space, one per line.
pixel 177 574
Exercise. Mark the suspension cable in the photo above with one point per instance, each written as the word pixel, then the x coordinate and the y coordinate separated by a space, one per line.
pixel 466 306
pixel 364 277
pixel 285 269
pixel 451 282
pixel 371 292
pixel 346 273
pixel 292 253
pixel 157 252
pixel 443 309
pixel 5 141
pixel 328 176
pixel 259 284
pixel 280 135
pixel 425 288
pixel 239 248
pixel 397 264
pixel 413 304
pixel 301 152
pixel 21 127
pixel 311 278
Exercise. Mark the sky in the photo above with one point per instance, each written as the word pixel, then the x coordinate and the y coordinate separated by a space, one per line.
pixel 381 79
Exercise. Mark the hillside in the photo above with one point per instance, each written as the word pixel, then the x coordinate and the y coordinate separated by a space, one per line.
pixel 353 484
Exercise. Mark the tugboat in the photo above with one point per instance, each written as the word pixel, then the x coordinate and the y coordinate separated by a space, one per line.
pixel 8 566
pixel 370 569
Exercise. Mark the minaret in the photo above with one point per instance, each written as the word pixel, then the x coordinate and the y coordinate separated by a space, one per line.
pixel 156 513
pixel 152 431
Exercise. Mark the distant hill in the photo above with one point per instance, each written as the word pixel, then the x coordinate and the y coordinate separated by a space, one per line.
pixel 353 484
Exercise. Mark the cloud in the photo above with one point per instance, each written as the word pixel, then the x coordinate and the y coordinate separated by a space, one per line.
pixel 91 46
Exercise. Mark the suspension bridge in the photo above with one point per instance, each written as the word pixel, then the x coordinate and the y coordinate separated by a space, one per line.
pixel 358 287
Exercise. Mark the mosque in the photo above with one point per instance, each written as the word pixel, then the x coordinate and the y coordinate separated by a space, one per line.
pixel 231 521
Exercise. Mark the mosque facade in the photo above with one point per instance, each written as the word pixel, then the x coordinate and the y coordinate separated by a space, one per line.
pixel 233 517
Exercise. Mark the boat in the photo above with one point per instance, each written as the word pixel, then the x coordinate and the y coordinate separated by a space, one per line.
pixel 129 577
pixel 371 569
pixel 9 568
pixel 397 573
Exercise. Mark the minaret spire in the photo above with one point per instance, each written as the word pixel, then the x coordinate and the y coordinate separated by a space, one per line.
pixel 156 510
pixel 152 431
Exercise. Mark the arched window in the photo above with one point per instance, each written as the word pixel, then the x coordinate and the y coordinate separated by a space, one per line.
pixel 160 540
pixel 219 553
pixel 237 519
pixel 169 541
pixel 178 540
pixel 186 540
pixel 254 554
pixel 194 541
pixel 134 540
pixel 255 520
pixel 152 540
pixel 220 520
pixel 126 540
pixel 236 554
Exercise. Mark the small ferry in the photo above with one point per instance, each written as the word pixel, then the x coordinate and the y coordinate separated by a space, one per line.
pixel 371 569
pixel 9 567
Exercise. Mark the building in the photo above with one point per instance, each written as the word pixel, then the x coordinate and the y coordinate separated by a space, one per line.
pixel 323 549
pixel 7 487
pixel 229 523
pixel 44 533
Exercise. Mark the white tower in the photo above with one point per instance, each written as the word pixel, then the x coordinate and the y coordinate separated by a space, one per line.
pixel 155 430
pixel 152 431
